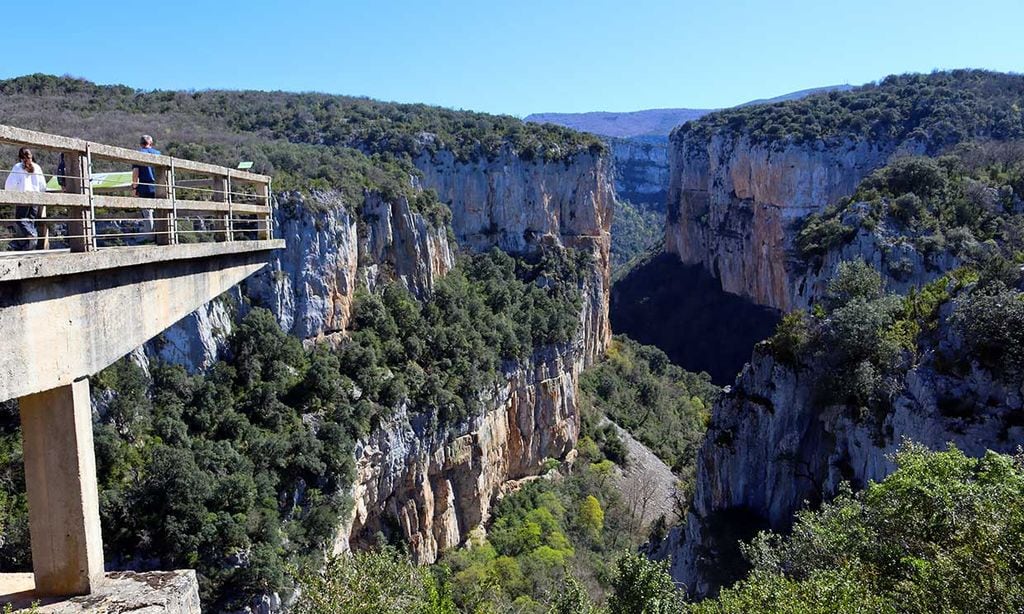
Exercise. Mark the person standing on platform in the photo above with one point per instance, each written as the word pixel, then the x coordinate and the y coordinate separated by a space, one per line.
pixel 26 176
pixel 144 179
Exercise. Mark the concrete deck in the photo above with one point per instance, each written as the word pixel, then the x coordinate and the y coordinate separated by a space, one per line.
pixel 15 266
pixel 64 316
pixel 154 592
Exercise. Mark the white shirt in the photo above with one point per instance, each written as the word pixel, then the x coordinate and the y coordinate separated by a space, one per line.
pixel 19 180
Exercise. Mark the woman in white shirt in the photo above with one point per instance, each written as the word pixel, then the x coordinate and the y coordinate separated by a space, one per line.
pixel 26 176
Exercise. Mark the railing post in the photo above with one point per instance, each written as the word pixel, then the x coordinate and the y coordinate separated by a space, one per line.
pixel 265 229
pixel 76 165
pixel 172 190
pixel 222 227
pixel 163 224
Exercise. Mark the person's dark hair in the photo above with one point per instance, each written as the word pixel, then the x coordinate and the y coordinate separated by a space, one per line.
pixel 26 164
pixel 146 140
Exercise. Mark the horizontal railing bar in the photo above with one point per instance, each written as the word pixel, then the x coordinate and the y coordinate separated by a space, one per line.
pixel 20 136
pixel 32 199
pixel 107 235
pixel 131 202
pixel 220 206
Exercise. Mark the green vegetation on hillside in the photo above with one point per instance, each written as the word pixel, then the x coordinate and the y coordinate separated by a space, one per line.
pixel 635 231
pixel 969 203
pixel 305 141
pixel 861 340
pixel 941 534
pixel 325 120
pixel 937 110
pixel 242 472
pixel 660 404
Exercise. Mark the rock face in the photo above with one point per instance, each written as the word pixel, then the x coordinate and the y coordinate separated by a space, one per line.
pixel 522 205
pixel 733 204
pixel 198 340
pixel 901 265
pixel 641 169
pixel 433 489
pixel 310 285
pixel 770 448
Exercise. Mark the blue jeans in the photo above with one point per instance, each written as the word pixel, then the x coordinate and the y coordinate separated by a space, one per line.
pixel 25 228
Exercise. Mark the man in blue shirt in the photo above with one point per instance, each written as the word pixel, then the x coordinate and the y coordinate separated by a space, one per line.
pixel 143 177
pixel 144 180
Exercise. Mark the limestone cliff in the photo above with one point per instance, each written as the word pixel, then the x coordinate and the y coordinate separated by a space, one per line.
pixel 885 247
pixel 772 448
pixel 310 285
pixel 433 489
pixel 641 169
pixel 733 204
pixel 521 205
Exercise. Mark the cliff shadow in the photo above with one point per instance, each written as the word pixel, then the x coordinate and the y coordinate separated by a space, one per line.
pixel 683 310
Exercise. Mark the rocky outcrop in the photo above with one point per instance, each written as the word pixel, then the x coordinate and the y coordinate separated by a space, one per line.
pixel 888 250
pixel 521 205
pixel 401 244
pixel 199 339
pixel 151 592
pixel 434 487
pixel 310 286
pixel 772 448
pixel 733 204
pixel 641 170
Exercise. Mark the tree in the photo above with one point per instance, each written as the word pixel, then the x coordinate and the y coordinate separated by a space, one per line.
pixel 591 517
pixel 940 534
pixel 641 586
pixel 383 581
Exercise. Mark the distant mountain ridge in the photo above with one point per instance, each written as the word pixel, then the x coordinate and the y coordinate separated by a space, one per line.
pixel 651 122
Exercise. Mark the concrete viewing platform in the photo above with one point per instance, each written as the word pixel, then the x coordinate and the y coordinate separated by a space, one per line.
pixel 153 592
pixel 107 273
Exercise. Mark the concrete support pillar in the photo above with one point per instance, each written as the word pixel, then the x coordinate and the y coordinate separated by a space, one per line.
pixel 63 502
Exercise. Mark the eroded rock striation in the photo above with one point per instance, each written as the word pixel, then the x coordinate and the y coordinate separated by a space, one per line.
pixel 734 203
pixel 435 489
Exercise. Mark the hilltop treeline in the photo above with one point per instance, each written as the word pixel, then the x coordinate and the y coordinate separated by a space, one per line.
pixel 937 109
pixel 304 140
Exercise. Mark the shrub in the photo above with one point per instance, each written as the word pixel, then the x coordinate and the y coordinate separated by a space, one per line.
pixel 382 581
pixel 641 586
pixel 853 280
pixel 991 323
pixel 938 535
pixel 791 337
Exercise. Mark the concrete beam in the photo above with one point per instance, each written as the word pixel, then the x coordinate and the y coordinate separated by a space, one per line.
pixel 69 321
pixel 60 477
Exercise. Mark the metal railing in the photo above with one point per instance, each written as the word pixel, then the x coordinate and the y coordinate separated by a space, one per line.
pixel 193 202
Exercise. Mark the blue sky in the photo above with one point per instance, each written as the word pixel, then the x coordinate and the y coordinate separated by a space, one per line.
pixel 515 57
